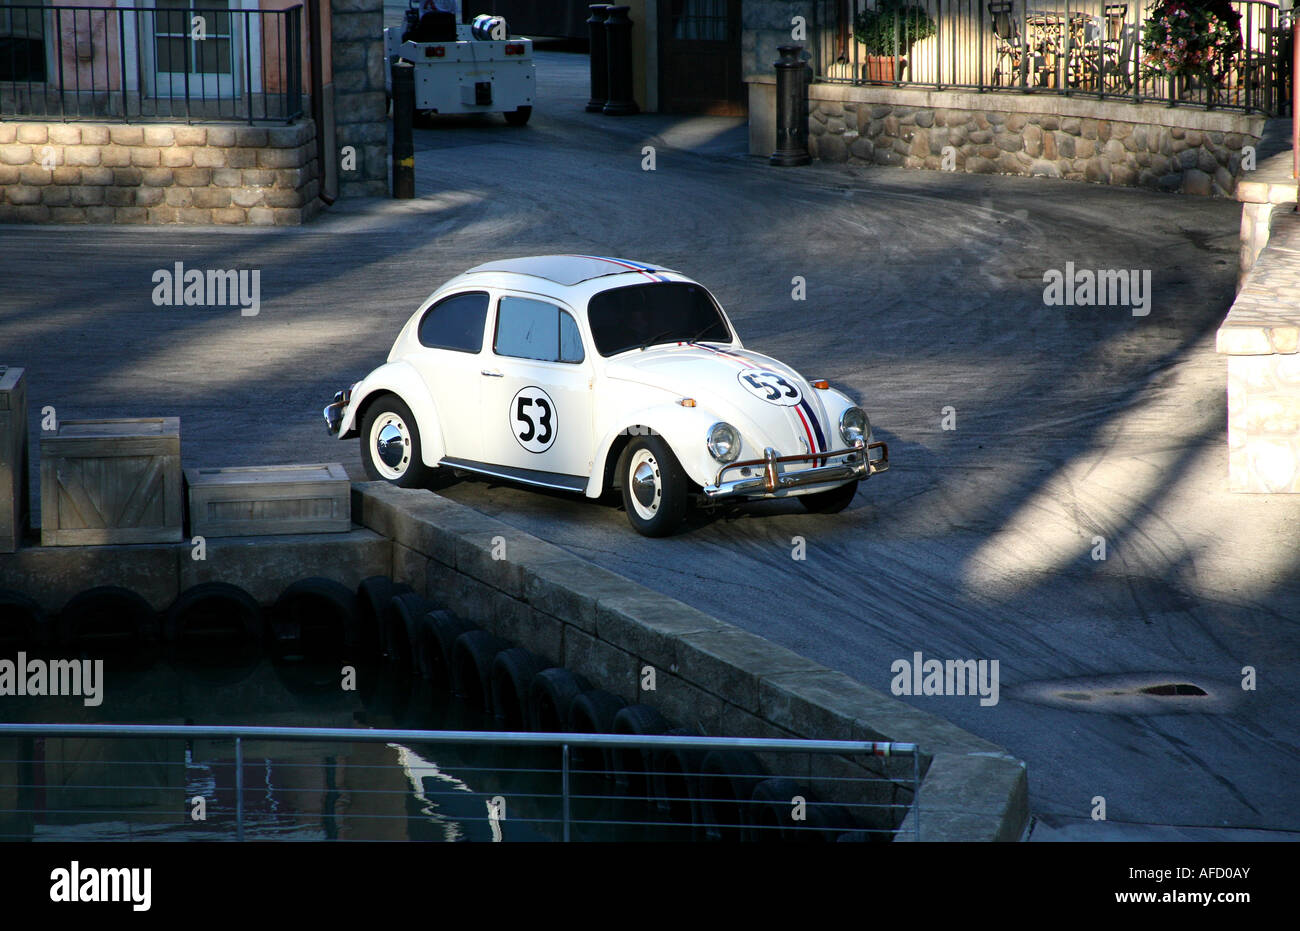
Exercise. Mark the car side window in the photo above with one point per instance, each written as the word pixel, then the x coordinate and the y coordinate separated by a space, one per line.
pixel 456 322
pixel 529 329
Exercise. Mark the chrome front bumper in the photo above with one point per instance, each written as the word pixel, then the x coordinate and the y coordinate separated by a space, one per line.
pixel 333 412
pixel 771 481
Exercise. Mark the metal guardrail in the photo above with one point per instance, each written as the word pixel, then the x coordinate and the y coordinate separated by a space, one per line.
pixel 603 786
pixel 175 61
pixel 1087 48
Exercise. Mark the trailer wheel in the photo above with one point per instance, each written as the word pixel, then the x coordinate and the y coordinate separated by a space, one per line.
pixel 518 117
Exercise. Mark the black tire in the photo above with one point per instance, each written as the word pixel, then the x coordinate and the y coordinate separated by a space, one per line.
pixel 631 765
pixel 832 501
pixel 401 619
pixel 314 618
pixel 519 116
pixel 390 423
pixel 440 648
pixel 549 697
pixel 107 618
pixel 675 784
pixel 513 672
pixel 213 614
pixel 471 665
pixel 22 623
pixel 655 489
pixel 727 782
pixel 373 595
pixel 593 712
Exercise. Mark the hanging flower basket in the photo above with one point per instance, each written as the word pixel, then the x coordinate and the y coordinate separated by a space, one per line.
pixel 1192 40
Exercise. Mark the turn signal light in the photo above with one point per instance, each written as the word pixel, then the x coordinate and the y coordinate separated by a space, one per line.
pixel 438 51
pixel 515 48
pixel 821 383
pixel 687 402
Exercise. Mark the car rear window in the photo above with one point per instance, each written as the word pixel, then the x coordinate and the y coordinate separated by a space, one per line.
pixel 662 312
pixel 456 322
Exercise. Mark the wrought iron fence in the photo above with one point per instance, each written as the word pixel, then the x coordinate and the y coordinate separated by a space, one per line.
pixel 1068 47
pixel 151 782
pixel 171 61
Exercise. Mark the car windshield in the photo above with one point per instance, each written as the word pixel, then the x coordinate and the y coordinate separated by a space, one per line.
pixel 644 314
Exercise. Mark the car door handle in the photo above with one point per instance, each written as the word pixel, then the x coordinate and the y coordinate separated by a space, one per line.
pixel 493 373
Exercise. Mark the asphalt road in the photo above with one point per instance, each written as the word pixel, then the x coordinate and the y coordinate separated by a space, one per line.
pixel 924 292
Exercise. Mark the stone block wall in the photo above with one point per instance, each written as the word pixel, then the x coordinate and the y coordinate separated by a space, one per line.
pixel 709 675
pixel 1194 152
pixel 360 102
pixel 1261 337
pixel 158 173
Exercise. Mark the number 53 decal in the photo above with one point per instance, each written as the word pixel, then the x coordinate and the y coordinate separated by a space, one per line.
pixel 771 387
pixel 533 419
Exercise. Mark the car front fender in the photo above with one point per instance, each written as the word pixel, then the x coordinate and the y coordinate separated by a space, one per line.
pixel 401 379
pixel 683 428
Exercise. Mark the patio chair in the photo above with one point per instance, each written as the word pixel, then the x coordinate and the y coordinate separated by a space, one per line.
pixel 1117 48
pixel 1006 39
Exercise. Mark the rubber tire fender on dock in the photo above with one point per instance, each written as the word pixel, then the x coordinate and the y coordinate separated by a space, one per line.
pixel 727 782
pixel 107 617
pixel 439 647
pixel 513 672
pixel 239 614
pixel 22 622
pixel 675 782
pixel 549 697
pixel 318 616
pixel 593 712
pixel 401 620
pixel 471 666
pixel 631 765
pixel 373 595
pixel 770 819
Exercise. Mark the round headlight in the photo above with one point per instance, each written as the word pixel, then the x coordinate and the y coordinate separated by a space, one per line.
pixel 854 425
pixel 723 442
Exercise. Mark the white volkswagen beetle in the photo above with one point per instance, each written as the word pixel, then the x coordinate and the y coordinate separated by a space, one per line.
pixel 585 373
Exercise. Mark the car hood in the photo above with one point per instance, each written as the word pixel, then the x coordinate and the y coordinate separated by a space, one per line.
pixel 712 376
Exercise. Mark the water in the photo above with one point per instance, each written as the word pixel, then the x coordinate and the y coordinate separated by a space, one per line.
pixel 60 789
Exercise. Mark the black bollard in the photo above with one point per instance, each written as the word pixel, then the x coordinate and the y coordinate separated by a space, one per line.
pixel 599 57
pixel 791 109
pixel 403 133
pixel 618 36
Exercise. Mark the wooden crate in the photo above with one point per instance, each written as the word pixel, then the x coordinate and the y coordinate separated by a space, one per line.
pixel 257 500
pixel 111 481
pixel 13 458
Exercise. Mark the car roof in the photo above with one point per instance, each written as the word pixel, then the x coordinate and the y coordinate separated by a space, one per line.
pixel 568 270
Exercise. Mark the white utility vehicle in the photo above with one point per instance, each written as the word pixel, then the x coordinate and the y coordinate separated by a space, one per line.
pixel 582 373
pixel 460 68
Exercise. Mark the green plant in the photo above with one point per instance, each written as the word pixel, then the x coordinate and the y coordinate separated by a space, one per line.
pixel 875 28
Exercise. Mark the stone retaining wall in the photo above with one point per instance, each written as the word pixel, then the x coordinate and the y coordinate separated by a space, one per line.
pixel 157 173
pixel 1264 194
pixel 716 677
pixel 1195 152
pixel 1261 338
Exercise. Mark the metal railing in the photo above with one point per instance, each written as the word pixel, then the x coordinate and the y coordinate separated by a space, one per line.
pixel 79 781
pixel 1068 47
pixel 172 62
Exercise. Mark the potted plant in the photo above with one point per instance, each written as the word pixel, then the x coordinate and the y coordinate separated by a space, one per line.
pixel 875 29
pixel 1191 39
